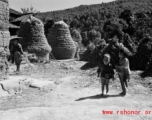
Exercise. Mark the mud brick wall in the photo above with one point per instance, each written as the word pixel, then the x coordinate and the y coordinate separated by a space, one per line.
pixel 4 66
pixel 4 38
pixel 4 11
pixel 4 22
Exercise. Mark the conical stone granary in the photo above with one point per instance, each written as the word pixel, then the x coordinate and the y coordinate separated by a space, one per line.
pixel 59 37
pixel 33 38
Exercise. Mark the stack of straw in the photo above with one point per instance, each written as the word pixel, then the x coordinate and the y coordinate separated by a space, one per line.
pixel 63 46
pixel 33 38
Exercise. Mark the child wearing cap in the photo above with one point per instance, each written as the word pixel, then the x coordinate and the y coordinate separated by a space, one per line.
pixel 106 72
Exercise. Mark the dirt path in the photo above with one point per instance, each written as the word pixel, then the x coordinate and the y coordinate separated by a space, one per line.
pixel 75 95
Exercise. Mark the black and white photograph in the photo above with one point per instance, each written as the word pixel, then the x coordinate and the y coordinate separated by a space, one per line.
pixel 75 59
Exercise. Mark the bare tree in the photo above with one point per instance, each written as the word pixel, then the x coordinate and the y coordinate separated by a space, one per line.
pixel 29 10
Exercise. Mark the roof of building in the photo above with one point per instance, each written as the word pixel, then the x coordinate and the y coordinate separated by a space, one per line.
pixel 12 11
pixel 19 19
pixel 13 26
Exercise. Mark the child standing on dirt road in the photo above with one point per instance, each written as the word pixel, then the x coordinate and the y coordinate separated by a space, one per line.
pixel 106 72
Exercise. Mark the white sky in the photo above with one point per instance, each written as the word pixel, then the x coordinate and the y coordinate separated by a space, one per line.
pixel 50 5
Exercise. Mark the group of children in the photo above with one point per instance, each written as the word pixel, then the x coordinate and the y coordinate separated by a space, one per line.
pixel 106 72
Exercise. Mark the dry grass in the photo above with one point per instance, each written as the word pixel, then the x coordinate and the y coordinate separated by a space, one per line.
pixel 59 37
pixel 34 40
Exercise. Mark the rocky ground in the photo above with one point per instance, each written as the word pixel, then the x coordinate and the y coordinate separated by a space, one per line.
pixel 75 95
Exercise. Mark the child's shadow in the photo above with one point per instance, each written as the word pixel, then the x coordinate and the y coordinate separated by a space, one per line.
pixel 99 96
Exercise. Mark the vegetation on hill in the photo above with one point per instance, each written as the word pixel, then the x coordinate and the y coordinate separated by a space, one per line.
pixel 99 10
pixel 93 17
pixel 129 21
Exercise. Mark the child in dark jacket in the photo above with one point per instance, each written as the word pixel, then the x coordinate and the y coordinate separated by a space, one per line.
pixel 106 72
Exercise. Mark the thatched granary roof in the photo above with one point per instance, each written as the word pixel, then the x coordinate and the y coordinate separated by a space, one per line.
pixel 59 37
pixel 34 40
pixel 13 26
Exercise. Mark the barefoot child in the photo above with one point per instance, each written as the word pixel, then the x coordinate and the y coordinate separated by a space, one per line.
pixel 123 70
pixel 106 72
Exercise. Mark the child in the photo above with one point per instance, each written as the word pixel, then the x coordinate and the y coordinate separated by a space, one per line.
pixel 106 72
pixel 123 70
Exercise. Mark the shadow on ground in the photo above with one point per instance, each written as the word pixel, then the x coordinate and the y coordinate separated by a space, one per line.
pixel 99 96
pixel 87 66
pixel 146 74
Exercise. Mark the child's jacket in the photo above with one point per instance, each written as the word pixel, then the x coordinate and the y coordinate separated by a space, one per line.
pixel 106 71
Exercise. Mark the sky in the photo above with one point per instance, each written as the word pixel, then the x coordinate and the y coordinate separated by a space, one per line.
pixel 51 5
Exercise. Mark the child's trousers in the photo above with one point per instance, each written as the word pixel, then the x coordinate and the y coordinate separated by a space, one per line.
pixel 104 81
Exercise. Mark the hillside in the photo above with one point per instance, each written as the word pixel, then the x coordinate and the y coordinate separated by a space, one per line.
pixel 127 20
pixel 93 17
pixel 113 8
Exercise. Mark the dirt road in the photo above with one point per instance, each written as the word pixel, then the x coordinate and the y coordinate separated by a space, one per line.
pixel 75 95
